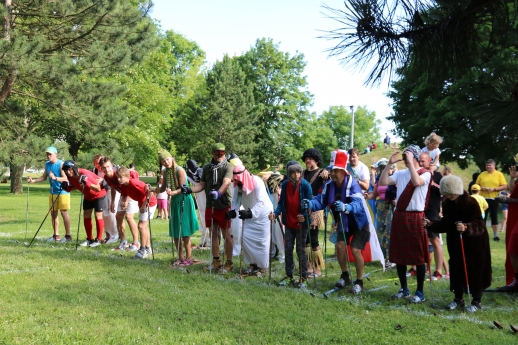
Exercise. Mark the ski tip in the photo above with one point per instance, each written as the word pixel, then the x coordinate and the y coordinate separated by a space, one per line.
pixel 312 294
pixel 514 328
pixel 498 325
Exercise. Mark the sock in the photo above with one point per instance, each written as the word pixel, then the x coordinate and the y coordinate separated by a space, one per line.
pixel 345 275
pixel 216 258
pixel 401 272
pixel 99 224
pixel 88 228
pixel 359 282
pixel 420 273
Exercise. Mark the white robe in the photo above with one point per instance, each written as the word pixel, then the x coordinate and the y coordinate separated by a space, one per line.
pixel 277 237
pixel 201 201
pixel 256 232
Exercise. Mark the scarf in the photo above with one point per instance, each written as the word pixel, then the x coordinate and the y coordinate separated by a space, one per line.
pixel 241 174
pixel 214 169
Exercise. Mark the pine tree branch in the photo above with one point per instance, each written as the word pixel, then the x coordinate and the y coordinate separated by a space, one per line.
pixel 8 85
pixel 62 45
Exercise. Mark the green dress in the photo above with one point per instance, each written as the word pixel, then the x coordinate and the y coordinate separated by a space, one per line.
pixel 189 222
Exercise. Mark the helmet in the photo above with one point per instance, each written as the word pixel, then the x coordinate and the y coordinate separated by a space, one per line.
pixel 70 165
pixel 381 164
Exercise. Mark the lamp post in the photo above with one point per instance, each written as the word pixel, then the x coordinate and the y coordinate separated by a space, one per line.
pixel 352 126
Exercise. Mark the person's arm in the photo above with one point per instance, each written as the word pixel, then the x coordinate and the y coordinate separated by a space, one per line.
pixel 414 176
pixel 385 179
pixel 364 184
pixel 43 177
pixel 199 187
pixel 372 195
pixel 163 186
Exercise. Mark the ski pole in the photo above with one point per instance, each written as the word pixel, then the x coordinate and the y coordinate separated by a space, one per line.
pixel 51 207
pixel 311 252
pixel 27 213
pixel 79 219
pixel 345 242
pixel 464 262
pixel 180 231
pixel 270 254
pixel 149 224
pixel 241 251
pixel 325 239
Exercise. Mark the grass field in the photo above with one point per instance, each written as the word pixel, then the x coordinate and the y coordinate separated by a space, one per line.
pixel 53 294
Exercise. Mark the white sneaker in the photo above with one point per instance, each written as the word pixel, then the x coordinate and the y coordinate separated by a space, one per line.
pixel 134 247
pixel 141 254
pixel 95 243
pixel 85 243
pixel 53 239
pixel 113 239
pixel 123 245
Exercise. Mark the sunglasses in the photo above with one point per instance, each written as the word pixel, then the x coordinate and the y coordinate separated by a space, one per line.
pixel 219 152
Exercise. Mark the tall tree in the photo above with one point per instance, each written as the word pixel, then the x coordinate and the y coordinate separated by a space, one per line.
pixel 281 101
pixel 53 56
pixel 224 113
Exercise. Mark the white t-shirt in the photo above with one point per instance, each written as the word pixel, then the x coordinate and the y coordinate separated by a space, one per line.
pixel 359 172
pixel 434 153
pixel 401 178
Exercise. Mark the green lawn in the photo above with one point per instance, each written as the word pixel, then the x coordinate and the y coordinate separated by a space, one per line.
pixel 53 294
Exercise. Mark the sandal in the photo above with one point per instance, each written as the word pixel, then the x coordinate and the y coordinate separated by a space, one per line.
pixel 314 275
pixel 186 263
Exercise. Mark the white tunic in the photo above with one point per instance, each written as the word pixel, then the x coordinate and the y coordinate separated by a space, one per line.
pixel 256 232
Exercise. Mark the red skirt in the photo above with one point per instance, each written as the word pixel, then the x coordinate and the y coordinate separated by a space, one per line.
pixel 408 239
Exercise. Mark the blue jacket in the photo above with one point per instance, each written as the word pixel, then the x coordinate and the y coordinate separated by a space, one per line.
pixel 305 193
pixel 353 197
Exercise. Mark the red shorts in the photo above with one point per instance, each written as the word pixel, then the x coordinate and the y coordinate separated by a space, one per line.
pixel 219 218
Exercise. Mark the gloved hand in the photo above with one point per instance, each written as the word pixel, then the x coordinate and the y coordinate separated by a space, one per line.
pixel 82 180
pixel 341 207
pixel 64 185
pixel 215 194
pixel 186 189
pixel 230 214
pixel 245 214
pixel 306 204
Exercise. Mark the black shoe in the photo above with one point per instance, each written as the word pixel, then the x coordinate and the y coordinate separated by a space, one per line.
pixel 496 239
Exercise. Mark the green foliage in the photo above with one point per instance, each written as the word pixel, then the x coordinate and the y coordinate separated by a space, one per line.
pixel 224 113
pixel 281 100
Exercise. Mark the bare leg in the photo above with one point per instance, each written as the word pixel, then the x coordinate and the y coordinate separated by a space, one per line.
pixel 133 226
pixel 66 221
pixel 188 247
pixel 144 233
pixel 121 226
pixel 358 262
pixel 55 222
pixel 438 253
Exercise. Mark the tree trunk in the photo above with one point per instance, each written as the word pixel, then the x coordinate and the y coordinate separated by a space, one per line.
pixel 7 86
pixel 16 179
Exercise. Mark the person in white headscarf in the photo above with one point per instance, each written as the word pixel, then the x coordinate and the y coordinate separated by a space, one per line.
pixel 250 193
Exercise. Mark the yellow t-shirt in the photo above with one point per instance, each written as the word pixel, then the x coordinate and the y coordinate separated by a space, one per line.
pixel 493 180
pixel 481 202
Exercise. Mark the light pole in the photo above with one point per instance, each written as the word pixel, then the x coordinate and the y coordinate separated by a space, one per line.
pixel 352 126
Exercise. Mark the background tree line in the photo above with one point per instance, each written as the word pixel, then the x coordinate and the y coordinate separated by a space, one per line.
pixel 101 77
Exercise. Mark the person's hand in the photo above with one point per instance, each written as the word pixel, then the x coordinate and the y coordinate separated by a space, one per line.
pixel 64 184
pixel 215 194
pixel 306 204
pixel 112 207
pixel 230 214
pixel 426 222
pixel 300 218
pixel 185 190
pixel 324 174
pixel 271 216
pixel 123 202
pixel 513 172
pixel 29 179
pixel 502 199
pixel 407 158
pixel 51 175
pixel 245 214
pixel 82 180
pixel 393 159
pixel 341 207
pixel 461 227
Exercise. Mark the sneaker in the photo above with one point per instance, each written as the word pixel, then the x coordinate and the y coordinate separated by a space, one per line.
pixel 445 276
pixel 301 285
pixel 94 243
pixel 68 238
pixel 436 276
pixel 158 217
pixel 473 307
pixel 389 264
pixel 215 265
pixel 134 247
pixel 54 238
pixel 286 281
pixel 227 268
pixel 411 273
pixel 402 293
pixel 112 239
pixel 357 288
pixel 511 288
pixel 341 283
pixel 86 243
pixel 455 304
pixel 496 238
pixel 149 251
pixel 122 245
pixel 418 297
pixel 141 253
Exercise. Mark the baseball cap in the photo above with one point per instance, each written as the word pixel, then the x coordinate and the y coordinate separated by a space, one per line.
pixel 51 149
pixel 475 187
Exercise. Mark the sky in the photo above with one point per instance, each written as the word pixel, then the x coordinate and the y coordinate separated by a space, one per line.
pixel 232 26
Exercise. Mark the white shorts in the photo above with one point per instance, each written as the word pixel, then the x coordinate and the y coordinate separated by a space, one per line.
pixel 131 209
pixel 144 217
